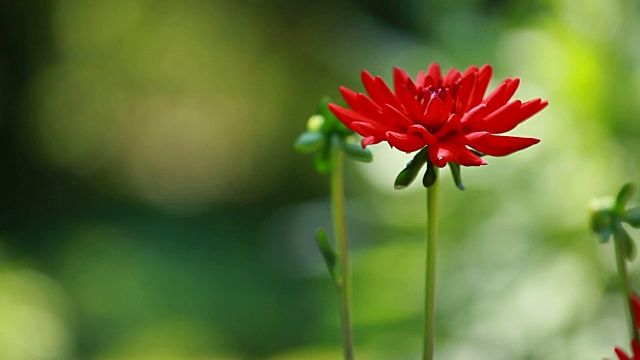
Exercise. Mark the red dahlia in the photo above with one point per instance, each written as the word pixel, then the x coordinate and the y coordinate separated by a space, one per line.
pixel 448 114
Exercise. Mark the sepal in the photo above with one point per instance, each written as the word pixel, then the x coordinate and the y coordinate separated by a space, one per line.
pixel 455 172
pixel 430 176
pixel 410 172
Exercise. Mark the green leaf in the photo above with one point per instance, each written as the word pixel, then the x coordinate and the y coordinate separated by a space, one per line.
pixel 310 141
pixel 632 217
pixel 626 243
pixel 455 171
pixel 328 254
pixel 410 172
pixel 623 197
pixel 430 176
pixel 356 152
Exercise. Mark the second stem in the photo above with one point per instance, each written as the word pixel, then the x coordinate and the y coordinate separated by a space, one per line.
pixel 343 281
pixel 430 282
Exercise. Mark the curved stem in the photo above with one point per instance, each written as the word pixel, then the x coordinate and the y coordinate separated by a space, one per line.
pixel 343 281
pixel 623 277
pixel 430 283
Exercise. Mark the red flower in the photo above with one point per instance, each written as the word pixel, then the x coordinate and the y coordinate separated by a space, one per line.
pixel 636 352
pixel 448 114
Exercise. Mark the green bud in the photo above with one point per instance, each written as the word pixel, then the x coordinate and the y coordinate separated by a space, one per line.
pixel 315 122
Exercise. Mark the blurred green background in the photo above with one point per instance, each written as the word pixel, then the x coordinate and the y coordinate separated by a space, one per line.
pixel 152 207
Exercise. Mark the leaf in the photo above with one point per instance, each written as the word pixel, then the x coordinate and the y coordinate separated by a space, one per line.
pixel 356 152
pixel 626 243
pixel 430 176
pixel 623 197
pixel 457 177
pixel 310 141
pixel 328 254
pixel 632 217
pixel 410 172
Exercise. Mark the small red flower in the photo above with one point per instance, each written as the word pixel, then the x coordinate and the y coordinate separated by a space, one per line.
pixel 449 114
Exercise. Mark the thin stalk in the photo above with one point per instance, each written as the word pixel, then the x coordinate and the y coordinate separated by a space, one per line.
pixel 430 283
pixel 343 281
pixel 623 277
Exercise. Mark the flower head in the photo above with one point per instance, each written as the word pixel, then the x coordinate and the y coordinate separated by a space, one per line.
pixel 449 114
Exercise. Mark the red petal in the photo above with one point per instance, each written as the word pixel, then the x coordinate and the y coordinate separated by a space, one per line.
pixel 470 71
pixel 386 93
pixel 370 109
pixel 369 86
pixel 452 76
pixel 410 103
pixel 496 145
pixel 442 153
pixel 531 107
pixel 635 302
pixel 636 349
pixel 424 133
pixel 370 140
pixel 400 79
pixel 395 117
pixel 504 119
pixel 463 93
pixel 472 121
pixel 502 94
pixel 452 125
pixel 420 79
pixel 405 142
pixel 621 354
pixel 435 73
pixel 348 116
pixel 366 130
pixel 468 158
pixel 351 97
pixel 484 76
pixel 436 114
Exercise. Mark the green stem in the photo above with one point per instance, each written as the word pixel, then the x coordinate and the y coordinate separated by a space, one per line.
pixel 343 281
pixel 623 277
pixel 430 283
